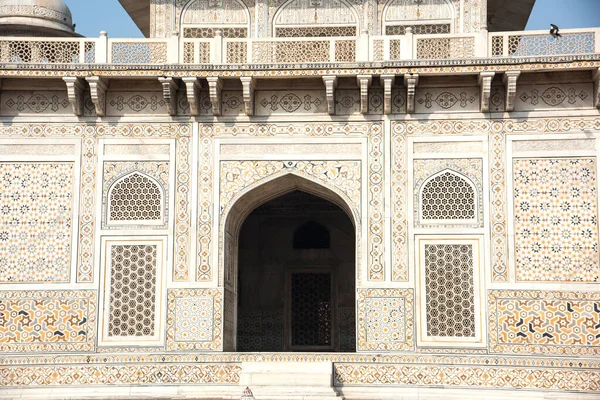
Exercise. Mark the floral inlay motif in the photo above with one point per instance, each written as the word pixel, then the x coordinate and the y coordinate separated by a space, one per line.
pixel 38 103
pixel 447 100
pixel 290 102
pixel 36 214
pixel 556 227
pixel 553 96
pixel 138 103
pixel 237 175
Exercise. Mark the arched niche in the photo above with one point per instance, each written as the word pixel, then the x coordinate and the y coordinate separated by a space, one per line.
pixel 316 18
pixel 423 16
pixel 234 217
pixel 135 198
pixel 202 18
pixel 448 197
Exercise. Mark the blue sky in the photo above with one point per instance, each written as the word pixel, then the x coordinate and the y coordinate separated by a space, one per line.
pixel 93 16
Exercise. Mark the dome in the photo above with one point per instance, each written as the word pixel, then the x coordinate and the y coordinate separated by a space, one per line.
pixel 35 18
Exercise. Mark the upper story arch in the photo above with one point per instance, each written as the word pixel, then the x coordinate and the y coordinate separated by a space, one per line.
pixel 423 16
pixel 202 18
pixel 315 18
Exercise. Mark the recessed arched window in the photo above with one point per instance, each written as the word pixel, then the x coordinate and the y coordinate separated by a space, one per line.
pixel 423 16
pixel 448 197
pixel 135 198
pixel 311 235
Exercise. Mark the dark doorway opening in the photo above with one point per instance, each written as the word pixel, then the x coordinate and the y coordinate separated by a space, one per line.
pixel 296 277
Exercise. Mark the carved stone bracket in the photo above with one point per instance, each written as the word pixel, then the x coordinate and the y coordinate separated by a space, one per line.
pixel 510 81
pixel 364 81
pixel 192 86
pixel 330 85
pixel 98 87
pixel 410 81
pixel 215 88
pixel 170 88
pixel 387 81
pixel 596 78
pixel 248 85
pixel 485 89
pixel 75 90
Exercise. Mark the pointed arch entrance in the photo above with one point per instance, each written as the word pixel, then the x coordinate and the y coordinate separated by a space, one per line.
pixel 289 268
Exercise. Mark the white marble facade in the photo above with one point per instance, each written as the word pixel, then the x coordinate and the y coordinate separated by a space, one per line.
pixel 471 187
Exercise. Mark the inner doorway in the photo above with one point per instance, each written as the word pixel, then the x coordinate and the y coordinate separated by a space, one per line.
pixel 296 277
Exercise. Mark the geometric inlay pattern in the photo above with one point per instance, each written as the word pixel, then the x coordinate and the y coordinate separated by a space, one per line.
pixel 194 319
pixel 47 321
pixel 556 227
pixel 36 222
pixel 385 319
pixel 385 323
pixel 132 305
pixel 134 198
pixel 88 174
pixel 545 322
pixel 449 285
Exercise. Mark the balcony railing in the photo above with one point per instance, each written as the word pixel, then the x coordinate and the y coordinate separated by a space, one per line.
pixel 363 48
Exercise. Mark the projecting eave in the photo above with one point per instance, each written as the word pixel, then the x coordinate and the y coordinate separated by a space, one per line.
pixel 508 15
pixel 139 11
pixel 503 15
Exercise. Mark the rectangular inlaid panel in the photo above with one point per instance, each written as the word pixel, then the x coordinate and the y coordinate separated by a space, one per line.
pixel 463 99
pixel 135 103
pixel 449 290
pixel 544 322
pixel 194 319
pixel 36 221
pixel 35 103
pixel 554 96
pixel 155 373
pixel 467 376
pixel 555 216
pixel 47 321
pixel 385 319
pixel 290 102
